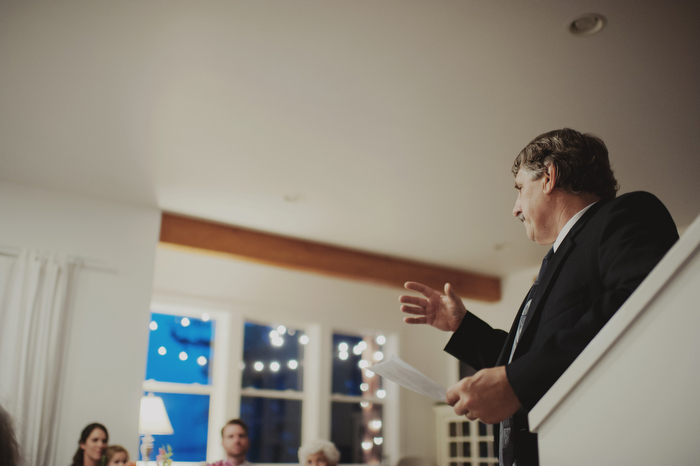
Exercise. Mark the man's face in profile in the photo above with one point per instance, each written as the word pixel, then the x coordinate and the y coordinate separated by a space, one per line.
pixel 531 207
pixel 235 440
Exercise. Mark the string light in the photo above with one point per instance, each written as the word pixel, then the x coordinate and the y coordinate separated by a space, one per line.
pixel 279 341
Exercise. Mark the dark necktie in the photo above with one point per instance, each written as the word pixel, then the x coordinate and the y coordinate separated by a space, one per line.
pixel 526 309
pixel 505 444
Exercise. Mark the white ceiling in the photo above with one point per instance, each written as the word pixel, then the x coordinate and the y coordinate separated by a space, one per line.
pixel 391 124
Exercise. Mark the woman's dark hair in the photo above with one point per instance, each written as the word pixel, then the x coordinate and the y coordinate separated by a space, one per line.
pixel 78 457
pixel 9 448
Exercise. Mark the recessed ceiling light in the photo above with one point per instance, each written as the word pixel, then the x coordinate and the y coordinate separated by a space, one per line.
pixel 587 25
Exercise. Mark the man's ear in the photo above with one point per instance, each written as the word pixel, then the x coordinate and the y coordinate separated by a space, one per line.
pixel 550 178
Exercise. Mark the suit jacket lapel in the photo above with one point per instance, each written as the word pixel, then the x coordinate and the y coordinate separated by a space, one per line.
pixel 554 263
pixel 505 352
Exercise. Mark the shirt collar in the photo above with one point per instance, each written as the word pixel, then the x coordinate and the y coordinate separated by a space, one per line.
pixel 569 225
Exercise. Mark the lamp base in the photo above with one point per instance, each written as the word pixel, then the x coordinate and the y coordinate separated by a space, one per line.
pixel 146 447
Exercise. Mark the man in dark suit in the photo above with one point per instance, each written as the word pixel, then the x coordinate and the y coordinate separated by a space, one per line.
pixel 603 247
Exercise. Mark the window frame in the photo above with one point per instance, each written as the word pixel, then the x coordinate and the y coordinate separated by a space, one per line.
pixel 385 402
pixel 289 394
pixel 217 390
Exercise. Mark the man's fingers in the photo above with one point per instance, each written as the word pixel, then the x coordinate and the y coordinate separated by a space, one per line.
pixel 415 320
pixel 449 291
pixel 460 409
pixel 452 395
pixel 419 287
pixel 417 300
pixel 413 310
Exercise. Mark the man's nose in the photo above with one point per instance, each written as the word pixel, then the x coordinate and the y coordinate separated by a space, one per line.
pixel 517 210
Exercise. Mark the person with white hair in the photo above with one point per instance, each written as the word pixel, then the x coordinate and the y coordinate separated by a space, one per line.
pixel 319 453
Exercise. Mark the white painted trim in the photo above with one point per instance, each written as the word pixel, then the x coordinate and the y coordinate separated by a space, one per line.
pixel 314 397
pixel 279 394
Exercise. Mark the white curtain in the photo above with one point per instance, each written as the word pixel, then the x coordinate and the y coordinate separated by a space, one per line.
pixel 34 289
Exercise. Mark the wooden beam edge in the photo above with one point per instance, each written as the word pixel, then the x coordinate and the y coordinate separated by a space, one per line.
pixel 308 256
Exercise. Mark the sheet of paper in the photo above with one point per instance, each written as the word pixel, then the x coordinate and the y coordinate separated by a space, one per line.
pixel 407 376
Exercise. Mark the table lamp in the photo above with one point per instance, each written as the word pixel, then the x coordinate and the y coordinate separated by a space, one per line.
pixel 153 419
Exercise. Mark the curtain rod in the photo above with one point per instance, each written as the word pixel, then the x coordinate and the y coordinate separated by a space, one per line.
pixel 82 262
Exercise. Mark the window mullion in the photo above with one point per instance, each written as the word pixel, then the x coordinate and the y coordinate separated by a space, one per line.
pixel 169 387
pixel 316 411
pixel 283 394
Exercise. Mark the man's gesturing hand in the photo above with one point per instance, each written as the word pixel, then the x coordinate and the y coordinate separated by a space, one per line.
pixel 442 311
pixel 486 395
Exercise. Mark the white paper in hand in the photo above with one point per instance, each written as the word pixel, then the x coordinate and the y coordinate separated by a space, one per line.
pixel 407 376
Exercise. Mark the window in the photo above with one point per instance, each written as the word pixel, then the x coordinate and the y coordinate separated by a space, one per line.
pixel 179 370
pixel 357 398
pixel 462 442
pixel 272 391
pixel 212 365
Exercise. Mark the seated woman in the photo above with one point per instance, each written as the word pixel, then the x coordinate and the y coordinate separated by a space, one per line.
pixel 319 453
pixel 93 441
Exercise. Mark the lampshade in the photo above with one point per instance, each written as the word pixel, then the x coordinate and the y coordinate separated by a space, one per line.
pixel 153 418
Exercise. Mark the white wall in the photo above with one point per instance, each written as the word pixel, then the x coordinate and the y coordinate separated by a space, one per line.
pixel 108 332
pixel 290 297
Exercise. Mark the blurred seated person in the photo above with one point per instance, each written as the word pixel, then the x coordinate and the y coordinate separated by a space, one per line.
pixel 319 453
pixel 234 439
pixel 91 446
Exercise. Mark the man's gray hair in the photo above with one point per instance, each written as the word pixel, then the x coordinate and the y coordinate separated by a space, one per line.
pixel 324 446
pixel 581 161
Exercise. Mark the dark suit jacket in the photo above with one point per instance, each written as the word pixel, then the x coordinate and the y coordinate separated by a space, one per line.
pixel 601 261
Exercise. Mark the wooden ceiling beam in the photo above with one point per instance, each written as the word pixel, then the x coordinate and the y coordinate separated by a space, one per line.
pixel 320 258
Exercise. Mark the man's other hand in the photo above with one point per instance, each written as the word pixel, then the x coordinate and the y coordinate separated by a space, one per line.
pixel 442 311
pixel 486 396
